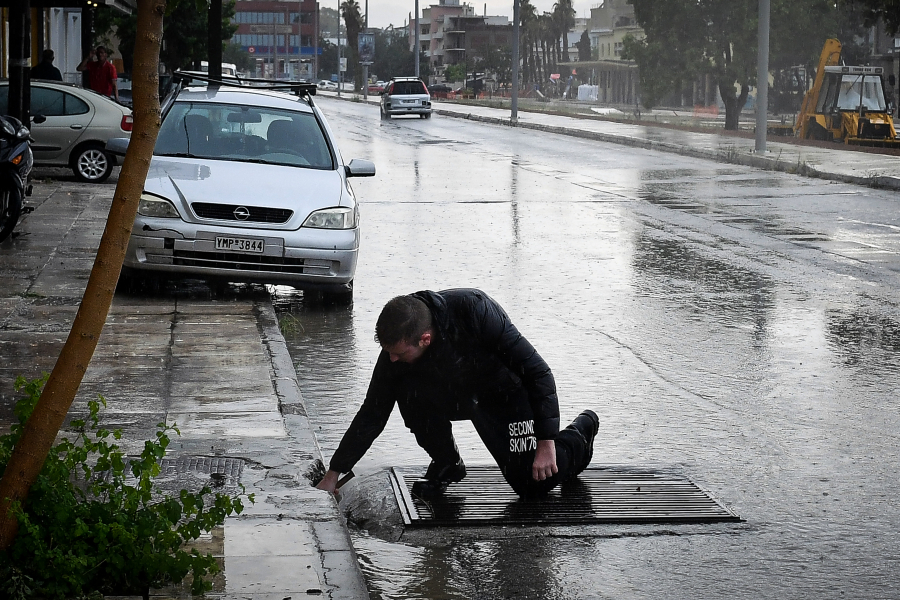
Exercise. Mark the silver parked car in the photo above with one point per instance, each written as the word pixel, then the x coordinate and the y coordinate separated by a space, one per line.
pixel 70 126
pixel 247 184
pixel 405 96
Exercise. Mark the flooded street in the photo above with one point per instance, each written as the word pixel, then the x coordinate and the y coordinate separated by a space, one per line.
pixel 738 326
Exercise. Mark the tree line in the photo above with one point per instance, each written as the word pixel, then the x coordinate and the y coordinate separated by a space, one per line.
pixel 686 40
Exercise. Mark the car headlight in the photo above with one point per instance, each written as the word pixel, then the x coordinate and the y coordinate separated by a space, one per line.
pixel 332 218
pixel 153 206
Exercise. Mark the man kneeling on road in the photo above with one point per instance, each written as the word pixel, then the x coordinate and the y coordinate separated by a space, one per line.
pixel 454 355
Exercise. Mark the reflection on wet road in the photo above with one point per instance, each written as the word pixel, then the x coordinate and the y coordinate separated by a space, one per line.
pixel 737 325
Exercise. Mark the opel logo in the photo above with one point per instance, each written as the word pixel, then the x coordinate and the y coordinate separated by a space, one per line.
pixel 241 213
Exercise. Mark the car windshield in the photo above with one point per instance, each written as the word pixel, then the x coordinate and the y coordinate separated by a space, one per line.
pixel 409 87
pixel 243 133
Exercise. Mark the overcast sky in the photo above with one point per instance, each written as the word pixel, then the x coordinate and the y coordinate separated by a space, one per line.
pixel 397 12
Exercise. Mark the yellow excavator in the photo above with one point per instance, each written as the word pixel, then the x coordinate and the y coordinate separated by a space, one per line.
pixel 846 104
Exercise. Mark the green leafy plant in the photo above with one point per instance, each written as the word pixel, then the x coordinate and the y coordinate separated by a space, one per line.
pixel 93 522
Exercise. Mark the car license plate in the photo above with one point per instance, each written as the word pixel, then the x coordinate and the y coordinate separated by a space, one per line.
pixel 236 244
pixel 408 101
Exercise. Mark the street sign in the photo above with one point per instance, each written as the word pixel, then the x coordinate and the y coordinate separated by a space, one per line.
pixel 343 64
pixel 251 49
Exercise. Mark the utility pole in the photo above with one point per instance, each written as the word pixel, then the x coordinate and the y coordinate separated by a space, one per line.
pixel 20 61
pixel 274 49
pixel 762 77
pixel 366 66
pixel 417 38
pixel 514 112
pixel 214 41
pixel 340 73
pixel 315 60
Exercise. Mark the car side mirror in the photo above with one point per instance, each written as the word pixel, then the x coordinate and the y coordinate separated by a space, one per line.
pixel 117 146
pixel 39 119
pixel 360 168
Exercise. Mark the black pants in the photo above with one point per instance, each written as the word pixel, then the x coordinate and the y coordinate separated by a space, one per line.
pixel 505 423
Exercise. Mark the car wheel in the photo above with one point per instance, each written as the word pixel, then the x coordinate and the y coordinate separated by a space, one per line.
pixel 817 132
pixel 427 115
pixel 92 164
pixel 339 298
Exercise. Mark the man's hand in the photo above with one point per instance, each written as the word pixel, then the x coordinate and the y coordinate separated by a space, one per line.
pixel 329 482
pixel 544 465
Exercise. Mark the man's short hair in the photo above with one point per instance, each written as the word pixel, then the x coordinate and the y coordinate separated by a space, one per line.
pixel 403 319
pixel 48 54
pixel 102 49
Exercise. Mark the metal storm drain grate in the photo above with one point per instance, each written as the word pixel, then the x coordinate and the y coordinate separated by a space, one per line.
pixel 218 472
pixel 600 495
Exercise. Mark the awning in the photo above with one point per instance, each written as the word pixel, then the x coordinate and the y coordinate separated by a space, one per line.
pixel 124 6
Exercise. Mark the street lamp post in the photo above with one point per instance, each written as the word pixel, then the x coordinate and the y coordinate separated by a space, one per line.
pixel 762 77
pixel 366 66
pixel 417 38
pixel 514 101
pixel 340 73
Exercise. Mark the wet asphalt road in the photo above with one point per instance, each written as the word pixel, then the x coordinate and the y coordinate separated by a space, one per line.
pixel 739 326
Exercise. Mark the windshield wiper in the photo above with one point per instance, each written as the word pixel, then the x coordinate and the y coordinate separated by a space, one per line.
pixel 256 161
pixel 179 155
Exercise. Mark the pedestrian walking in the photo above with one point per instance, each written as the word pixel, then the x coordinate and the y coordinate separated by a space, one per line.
pixel 102 74
pixel 455 355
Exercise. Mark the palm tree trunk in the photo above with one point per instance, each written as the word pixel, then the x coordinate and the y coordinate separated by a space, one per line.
pixel 41 429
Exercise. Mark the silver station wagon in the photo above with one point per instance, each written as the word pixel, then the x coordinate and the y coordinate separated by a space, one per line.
pixel 247 185
pixel 405 96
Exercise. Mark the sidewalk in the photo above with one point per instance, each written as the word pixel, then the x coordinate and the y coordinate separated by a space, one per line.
pixel 217 367
pixel 837 164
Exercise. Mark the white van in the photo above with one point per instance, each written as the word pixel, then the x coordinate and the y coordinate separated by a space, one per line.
pixel 228 69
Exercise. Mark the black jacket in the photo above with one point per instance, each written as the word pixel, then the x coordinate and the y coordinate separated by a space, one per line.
pixel 475 351
pixel 45 70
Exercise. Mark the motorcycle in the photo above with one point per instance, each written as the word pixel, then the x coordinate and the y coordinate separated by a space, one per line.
pixel 16 162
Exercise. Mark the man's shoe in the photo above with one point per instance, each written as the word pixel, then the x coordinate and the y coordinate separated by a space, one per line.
pixel 437 478
pixel 587 424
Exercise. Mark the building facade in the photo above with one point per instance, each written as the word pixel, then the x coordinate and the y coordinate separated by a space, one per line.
pixel 451 33
pixel 282 36
pixel 617 78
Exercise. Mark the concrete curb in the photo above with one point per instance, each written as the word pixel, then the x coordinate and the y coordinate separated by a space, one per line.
pixel 339 561
pixel 736 156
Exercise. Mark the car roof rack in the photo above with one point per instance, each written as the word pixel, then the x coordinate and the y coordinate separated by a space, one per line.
pixel 296 87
